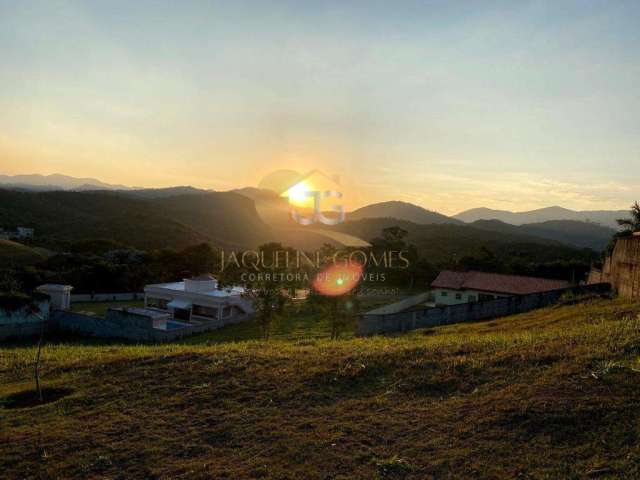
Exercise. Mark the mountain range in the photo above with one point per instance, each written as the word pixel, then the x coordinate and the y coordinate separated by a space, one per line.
pixel 606 218
pixel 179 216
pixel 402 211
pixel 56 181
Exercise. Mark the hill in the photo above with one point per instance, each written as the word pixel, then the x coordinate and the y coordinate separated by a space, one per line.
pixel 570 232
pixel 401 211
pixel 62 217
pixel 13 254
pixel 230 220
pixel 606 218
pixel 446 242
pixel 547 394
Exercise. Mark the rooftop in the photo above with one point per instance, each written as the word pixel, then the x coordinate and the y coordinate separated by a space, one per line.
pixel 54 287
pixel 212 292
pixel 144 312
pixel 496 282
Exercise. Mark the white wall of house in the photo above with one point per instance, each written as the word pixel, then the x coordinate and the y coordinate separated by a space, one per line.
pixel 445 296
pixel 60 295
pixel 203 301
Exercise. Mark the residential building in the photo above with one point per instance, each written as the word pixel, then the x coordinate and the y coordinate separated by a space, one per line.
pixel 60 295
pixel 199 300
pixel 24 232
pixel 452 288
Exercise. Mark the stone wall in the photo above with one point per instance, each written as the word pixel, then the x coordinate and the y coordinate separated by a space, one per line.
pixel 371 324
pixel 622 268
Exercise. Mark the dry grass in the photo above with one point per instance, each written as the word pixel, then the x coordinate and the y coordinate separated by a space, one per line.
pixel 547 394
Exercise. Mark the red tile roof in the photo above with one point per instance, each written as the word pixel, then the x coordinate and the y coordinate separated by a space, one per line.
pixel 496 282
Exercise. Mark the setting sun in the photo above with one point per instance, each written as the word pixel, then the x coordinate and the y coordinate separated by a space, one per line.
pixel 297 194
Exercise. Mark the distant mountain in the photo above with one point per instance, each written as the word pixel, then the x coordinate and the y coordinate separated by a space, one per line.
pixel 570 232
pixel 257 193
pixel 401 211
pixel 230 220
pixel 151 193
pixel 606 218
pixel 56 182
pixel 442 243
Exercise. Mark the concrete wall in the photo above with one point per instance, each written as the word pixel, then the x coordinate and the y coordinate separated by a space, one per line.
pixel 371 324
pixel 622 268
pixel 107 297
pixel 21 330
pixel 127 326
pixel 20 323
pixel 450 296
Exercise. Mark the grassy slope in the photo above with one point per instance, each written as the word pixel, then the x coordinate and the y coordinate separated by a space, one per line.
pixel 13 253
pixel 548 394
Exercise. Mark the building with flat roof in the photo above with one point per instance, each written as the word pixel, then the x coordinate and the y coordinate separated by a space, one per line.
pixel 451 288
pixel 199 300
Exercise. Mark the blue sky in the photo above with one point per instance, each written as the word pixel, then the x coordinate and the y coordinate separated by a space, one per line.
pixel 449 105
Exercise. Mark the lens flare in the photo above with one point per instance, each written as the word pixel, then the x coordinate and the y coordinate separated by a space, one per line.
pixel 338 279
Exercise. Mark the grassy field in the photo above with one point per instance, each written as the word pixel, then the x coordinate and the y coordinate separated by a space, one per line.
pixel 550 394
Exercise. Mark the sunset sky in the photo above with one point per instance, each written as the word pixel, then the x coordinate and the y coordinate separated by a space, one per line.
pixel 513 105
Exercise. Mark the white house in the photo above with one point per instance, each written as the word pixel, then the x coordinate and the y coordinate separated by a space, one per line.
pixel 451 288
pixel 199 300
pixel 24 232
pixel 60 295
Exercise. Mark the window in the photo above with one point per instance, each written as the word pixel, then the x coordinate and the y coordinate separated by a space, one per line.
pixel 472 298
pixel 226 311
pixel 458 296
pixel 444 294
pixel 209 312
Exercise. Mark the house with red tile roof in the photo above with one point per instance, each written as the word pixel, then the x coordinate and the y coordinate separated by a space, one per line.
pixel 451 288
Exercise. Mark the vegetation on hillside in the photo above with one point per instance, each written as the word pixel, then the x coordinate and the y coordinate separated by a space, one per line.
pixel 547 394
pixel 631 223
pixel 14 254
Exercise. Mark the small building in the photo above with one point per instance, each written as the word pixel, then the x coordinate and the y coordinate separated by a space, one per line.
pixel 199 300
pixel 60 295
pixel 452 288
pixel 24 232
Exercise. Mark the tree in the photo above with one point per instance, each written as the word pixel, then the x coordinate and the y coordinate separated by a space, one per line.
pixel 266 288
pixel 632 224
pixel 8 283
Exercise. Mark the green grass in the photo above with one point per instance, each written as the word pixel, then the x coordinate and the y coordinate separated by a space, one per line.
pixel 16 254
pixel 553 393
pixel 100 308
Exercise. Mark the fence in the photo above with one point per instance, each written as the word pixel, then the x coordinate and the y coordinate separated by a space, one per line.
pixel 372 324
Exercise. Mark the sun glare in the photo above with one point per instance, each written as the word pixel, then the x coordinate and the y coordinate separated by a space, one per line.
pixel 297 194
